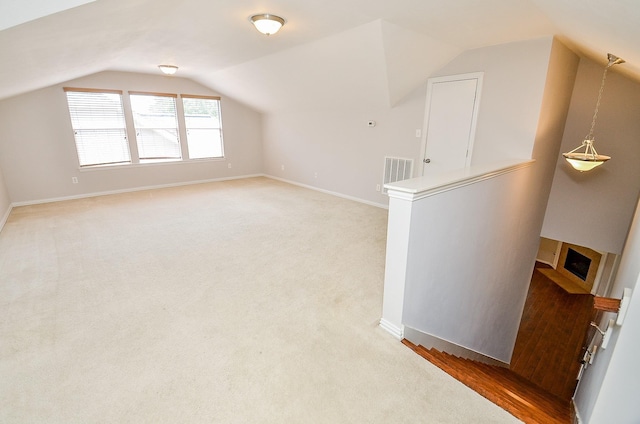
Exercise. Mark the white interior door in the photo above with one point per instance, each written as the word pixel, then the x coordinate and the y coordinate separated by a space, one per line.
pixel 450 119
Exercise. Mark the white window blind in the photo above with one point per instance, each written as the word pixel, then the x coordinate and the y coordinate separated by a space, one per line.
pixel 203 126
pixel 156 123
pixel 99 129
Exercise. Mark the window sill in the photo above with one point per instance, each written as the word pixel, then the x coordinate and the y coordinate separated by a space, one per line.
pixel 148 164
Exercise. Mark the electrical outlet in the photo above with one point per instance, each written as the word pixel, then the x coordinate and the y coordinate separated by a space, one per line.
pixel 315 175
pixel 282 167
pixel 418 133
pixel 377 187
pixel 74 180
pixel 229 165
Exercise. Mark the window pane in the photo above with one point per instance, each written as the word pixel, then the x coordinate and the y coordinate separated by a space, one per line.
pixel 156 126
pixel 202 143
pixel 204 127
pixel 102 147
pixel 99 128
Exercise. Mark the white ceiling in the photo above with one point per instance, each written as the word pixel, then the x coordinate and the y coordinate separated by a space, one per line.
pixel 207 38
pixel 15 13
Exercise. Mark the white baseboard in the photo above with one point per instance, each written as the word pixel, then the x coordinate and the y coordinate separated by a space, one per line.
pixel 159 186
pixel 576 412
pixel 3 220
pixel 395 331
pixel 333 193
pixel 428 341
pixel 131 190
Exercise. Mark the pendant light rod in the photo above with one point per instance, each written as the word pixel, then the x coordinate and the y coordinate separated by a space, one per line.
pixel 589 158
pixel 613 60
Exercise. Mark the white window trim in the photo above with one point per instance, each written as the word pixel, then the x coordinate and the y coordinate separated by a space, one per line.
pixel 99 168
pixel 131 132
pixel 183 124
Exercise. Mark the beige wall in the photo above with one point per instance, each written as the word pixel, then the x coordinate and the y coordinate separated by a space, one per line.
pixel 594 209
pixel 38 157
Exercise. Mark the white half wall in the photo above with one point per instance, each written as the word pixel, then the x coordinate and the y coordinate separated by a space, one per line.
pixel 471 250
pixel 594 209
pixel 38 156
pixel 469 264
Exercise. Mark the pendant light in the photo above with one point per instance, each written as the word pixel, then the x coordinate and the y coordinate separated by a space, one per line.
pixel 589 158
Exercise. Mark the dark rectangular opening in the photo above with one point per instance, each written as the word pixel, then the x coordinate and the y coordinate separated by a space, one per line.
pixel 577 264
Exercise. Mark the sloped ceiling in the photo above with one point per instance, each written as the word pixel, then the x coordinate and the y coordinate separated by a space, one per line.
pixel 16 13
pixel 213 42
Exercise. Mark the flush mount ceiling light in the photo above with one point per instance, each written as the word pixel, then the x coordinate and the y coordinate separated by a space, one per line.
pixel 589 158
pixel 168 69
pixel 266 23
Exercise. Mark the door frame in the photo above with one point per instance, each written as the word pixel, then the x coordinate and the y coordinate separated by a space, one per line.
pixel 474 120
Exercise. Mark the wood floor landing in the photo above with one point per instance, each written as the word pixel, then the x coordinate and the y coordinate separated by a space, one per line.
pixel 521 398
pixel 552 335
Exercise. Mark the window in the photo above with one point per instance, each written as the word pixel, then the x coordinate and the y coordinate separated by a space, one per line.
pixel 156 123
pixel 162 122
pixel 203 126
pixel 99 129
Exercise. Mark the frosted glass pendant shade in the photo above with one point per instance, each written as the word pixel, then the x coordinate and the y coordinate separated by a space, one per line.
pixel 582 163
pixel 587 160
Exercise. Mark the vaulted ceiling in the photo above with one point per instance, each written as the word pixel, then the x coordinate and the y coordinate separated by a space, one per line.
pixel 213 42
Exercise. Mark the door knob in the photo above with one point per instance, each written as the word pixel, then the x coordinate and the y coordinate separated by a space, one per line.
pixel 426 160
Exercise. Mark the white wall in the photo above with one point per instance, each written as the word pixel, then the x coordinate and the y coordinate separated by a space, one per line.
pixel 603 201
pixel 338 147
pixel 330 137
pixel 320 96
pixel 512 90
pixel 619 391
pixel 409 57
pixel 594 209
pixel 608 390
pixel 38 157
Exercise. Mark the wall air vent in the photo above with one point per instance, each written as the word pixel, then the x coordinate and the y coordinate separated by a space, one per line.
pixel 396 169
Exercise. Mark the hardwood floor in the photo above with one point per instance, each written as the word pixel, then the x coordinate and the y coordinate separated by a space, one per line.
pixel 521 398
pixel 552 333
pixel 538 386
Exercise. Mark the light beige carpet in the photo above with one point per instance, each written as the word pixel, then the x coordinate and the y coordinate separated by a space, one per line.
pixel 247 301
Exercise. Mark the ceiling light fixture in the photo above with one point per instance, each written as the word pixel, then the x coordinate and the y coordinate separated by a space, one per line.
pixel 266 23
pixel 589 159
pixel 168 69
